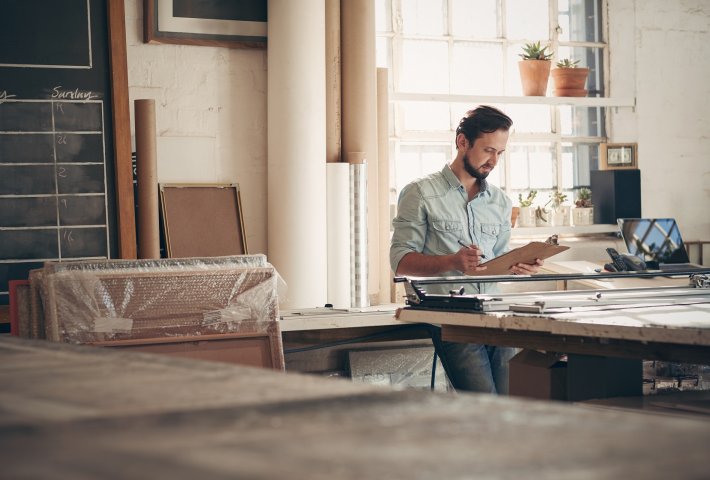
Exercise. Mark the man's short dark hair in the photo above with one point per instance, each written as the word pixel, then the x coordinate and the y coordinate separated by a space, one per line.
pixel 483 119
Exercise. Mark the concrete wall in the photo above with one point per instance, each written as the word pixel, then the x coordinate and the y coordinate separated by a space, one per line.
pixel 210 115
pixel 211 109
pixel 660 54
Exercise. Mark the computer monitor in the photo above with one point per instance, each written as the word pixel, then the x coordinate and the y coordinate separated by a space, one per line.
pixel 653 239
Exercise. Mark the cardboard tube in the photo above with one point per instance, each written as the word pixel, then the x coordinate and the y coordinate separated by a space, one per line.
pixel 332 82
pixel 147 174
pixel 383 189
pixel 359 115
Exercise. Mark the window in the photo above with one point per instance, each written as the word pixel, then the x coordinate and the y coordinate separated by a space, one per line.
pixel 460 53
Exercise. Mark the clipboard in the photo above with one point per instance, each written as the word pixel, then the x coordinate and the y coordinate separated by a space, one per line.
pixel 526 254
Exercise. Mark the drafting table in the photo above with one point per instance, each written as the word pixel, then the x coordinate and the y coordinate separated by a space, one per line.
pixel 69 411
pixel 665 323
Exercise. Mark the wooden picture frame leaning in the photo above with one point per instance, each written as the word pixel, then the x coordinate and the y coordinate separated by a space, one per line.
pixel 618 156
pixel 205 22
pixel 202 220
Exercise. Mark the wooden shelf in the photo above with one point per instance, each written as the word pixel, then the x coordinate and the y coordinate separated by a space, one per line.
pixel 573 101
pixel 569 231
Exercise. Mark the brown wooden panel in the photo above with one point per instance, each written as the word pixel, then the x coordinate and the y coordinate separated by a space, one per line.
pixel 254 350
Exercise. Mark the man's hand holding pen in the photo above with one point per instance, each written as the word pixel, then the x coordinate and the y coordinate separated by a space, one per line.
pixel 468 258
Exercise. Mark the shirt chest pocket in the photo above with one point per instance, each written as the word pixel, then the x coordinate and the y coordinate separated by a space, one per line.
pixel 446 235
pixel 489 235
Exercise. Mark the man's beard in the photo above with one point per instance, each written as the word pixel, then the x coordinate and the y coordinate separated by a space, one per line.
pixel 473 171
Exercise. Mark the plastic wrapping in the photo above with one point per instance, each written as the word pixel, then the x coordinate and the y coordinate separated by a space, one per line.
pixel 97 301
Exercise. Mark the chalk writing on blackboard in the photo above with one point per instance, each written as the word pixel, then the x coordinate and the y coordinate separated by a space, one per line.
pixel 62 68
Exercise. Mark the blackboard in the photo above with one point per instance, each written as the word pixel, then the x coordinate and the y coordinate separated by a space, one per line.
pixel 65 166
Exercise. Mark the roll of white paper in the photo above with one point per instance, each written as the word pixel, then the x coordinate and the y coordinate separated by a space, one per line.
pixel 297 239
pixel 358 236
pixel 338 223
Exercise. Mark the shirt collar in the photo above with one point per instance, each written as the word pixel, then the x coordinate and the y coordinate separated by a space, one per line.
pixel 455 183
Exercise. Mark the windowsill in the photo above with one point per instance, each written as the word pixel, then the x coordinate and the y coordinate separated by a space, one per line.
pixel 570 231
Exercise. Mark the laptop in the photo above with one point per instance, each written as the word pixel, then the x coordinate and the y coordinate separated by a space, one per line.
pixel 656 241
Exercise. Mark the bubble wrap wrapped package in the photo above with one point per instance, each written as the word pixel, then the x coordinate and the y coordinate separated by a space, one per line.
pixel 95 301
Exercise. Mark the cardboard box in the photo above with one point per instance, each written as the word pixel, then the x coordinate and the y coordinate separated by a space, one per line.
pixel 538 375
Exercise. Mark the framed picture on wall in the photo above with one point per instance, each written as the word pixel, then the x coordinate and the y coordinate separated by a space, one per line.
pixel 217 23
pixel 617 156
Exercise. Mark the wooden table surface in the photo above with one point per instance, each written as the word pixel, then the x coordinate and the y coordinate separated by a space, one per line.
pixel 678 333
pixel 69 412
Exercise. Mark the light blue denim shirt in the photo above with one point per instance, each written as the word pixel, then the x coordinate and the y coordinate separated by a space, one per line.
pixel 434 213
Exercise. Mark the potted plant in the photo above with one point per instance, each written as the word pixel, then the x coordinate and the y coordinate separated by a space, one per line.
pixel 568 79
pixel 583 213
pixel 542 216
pixel 535 69
pixel 560 214
pixel 526 218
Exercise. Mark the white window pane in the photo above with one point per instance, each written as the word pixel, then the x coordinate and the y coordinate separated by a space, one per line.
pixel 542 171
pixel 528 20
pixel 580 20
pixel 584 157
pixel 474 18
pixel 582 121
pixel 383 15
pixel 531 166
pixel 518 170
pixel 567 170
pixel 405 170
pixel 416 161
pixel 477 69
pixel 420 116
pixel 425 67
pixel 494 177
pixel 382 52
pixel 426 17
pixel 530 118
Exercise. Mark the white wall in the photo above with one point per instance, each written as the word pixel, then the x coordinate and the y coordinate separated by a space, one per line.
pixel 210 115
pixel 211 109
pixel 660 54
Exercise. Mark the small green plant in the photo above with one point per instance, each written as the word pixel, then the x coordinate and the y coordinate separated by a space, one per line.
pixel 567 63
pixel 557 199
pixel 584 198
pixel 527 202
pixel 534 51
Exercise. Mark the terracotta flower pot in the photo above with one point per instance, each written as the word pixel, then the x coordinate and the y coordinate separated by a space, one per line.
pixel 569 82
pixel 534 75
pixel 514 216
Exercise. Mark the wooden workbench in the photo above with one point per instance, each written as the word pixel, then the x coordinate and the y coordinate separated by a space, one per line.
pixel 70 412
pixel 679 333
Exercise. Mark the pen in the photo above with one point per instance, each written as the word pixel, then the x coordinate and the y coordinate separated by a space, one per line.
pixel 466 246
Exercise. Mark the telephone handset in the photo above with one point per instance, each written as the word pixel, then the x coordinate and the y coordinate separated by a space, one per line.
pixel 623 263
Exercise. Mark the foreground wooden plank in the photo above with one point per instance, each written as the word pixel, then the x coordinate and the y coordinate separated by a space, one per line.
pixel 77 412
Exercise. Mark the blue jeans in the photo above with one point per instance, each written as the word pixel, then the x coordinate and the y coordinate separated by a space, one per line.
pixel 473 367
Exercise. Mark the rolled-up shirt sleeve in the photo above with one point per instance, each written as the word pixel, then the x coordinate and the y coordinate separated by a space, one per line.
pixel 410 225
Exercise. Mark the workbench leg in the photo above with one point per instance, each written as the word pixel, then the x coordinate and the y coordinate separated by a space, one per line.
pixel 591 376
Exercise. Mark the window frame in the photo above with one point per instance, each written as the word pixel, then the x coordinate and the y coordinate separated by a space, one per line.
pixel 398 136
